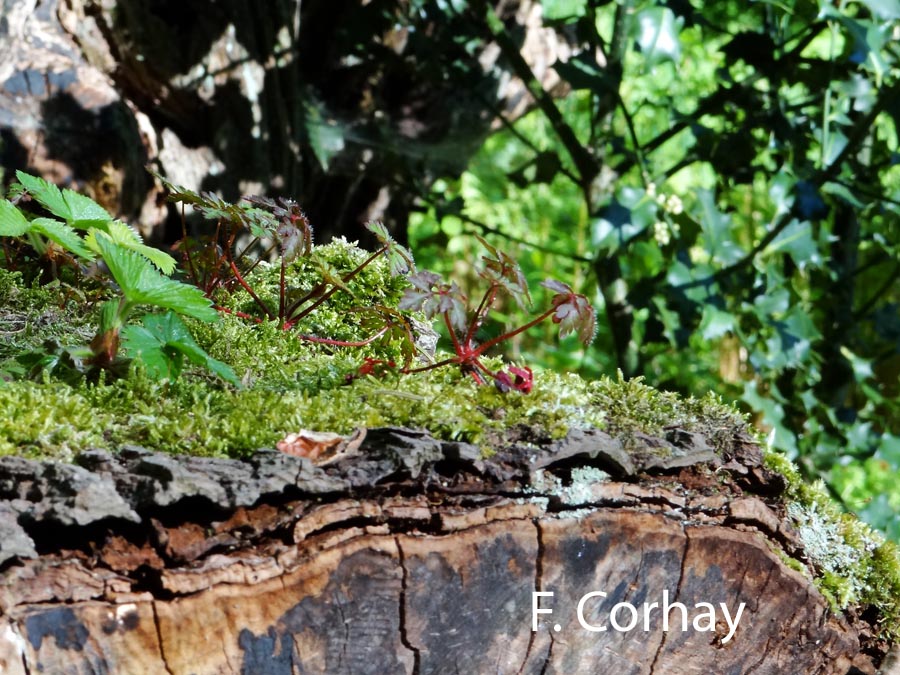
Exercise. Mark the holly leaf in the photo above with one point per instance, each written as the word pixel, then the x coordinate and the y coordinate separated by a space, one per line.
pixel 504 271
pixel 143 285
pixel 400 260
pixel 162 343
pixel 572 311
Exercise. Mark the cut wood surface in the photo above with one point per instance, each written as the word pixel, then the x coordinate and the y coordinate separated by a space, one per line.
pixel 411 555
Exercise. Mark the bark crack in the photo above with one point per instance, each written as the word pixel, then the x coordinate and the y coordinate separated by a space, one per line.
pixel 404 636
pixel 538 583
pixel 684 555
pixel 159 639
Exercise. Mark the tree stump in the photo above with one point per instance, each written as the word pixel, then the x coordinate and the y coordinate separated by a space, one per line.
pixel 408 554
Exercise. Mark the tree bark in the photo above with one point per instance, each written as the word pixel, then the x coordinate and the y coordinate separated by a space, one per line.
pixel 407 554
pixel 342 106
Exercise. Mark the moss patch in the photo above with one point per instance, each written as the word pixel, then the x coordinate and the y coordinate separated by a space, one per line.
pixel 854 564
pixel 292 384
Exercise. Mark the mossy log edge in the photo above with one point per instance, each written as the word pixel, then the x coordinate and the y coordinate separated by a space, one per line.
pixel 407 554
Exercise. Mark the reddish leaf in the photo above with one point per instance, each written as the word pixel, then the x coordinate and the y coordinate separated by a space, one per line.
pixel 522 380
pixel 433 298
pixel 572 311
pixel 503 270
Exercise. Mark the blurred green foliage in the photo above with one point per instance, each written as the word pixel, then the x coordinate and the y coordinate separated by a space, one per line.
pixel 723 179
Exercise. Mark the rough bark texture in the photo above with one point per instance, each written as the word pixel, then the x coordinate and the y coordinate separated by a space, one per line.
pixel 332 103
pixel 407 555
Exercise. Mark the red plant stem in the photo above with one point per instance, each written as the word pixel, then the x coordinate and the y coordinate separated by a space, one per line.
pixel 506 336
pixel 240 279
pixel 456 346
pixel 430 366
pixel 293 308
pixel 486 301
pixel 281 291
pixel 234 312
pixel 343 343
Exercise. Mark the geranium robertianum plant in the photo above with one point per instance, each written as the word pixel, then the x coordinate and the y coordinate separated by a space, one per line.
pixel 282 223
pixel 162 341
pixel 436 298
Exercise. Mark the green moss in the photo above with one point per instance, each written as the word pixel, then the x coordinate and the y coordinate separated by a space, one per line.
pixel 33 314
pixel 631 406
pixel 855 564
pixel 293 384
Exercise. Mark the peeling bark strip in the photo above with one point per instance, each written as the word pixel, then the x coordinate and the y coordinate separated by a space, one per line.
pixel 410 556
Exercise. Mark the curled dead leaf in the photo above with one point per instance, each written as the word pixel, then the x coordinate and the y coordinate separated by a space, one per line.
pixel 320 446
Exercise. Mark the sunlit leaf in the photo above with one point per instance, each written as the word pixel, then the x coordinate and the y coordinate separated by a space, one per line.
pixel 46 194
pixel 12 222
pixel 144 285
pixel 503 270
pixel 572 311
pixel 400 260
pixel 63 235
pixel 124 236
pixel 657 33
pixel 563 9
pixel 84 212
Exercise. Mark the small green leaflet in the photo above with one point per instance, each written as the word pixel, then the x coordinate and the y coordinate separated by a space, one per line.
pixel 163 341
pixel 400 260
pixel 143 285
pixel 124 236
pixel 77 210
pixel 46 194
pixel 63 235
pixel 12 222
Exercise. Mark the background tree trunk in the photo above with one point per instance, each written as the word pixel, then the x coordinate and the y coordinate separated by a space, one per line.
pixel 409 554
pixel 339 105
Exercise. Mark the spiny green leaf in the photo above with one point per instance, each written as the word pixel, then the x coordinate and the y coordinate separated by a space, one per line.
pixel 46 194
pixel 143 285
pixel 63 235
pixel 12 222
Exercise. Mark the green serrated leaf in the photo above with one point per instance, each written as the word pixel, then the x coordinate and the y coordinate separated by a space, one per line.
pixel 124 236
pixel 84 211
pixel 144 285
pixel 46 194
pixel 63 235
pixel 12 222
pixel 162 342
